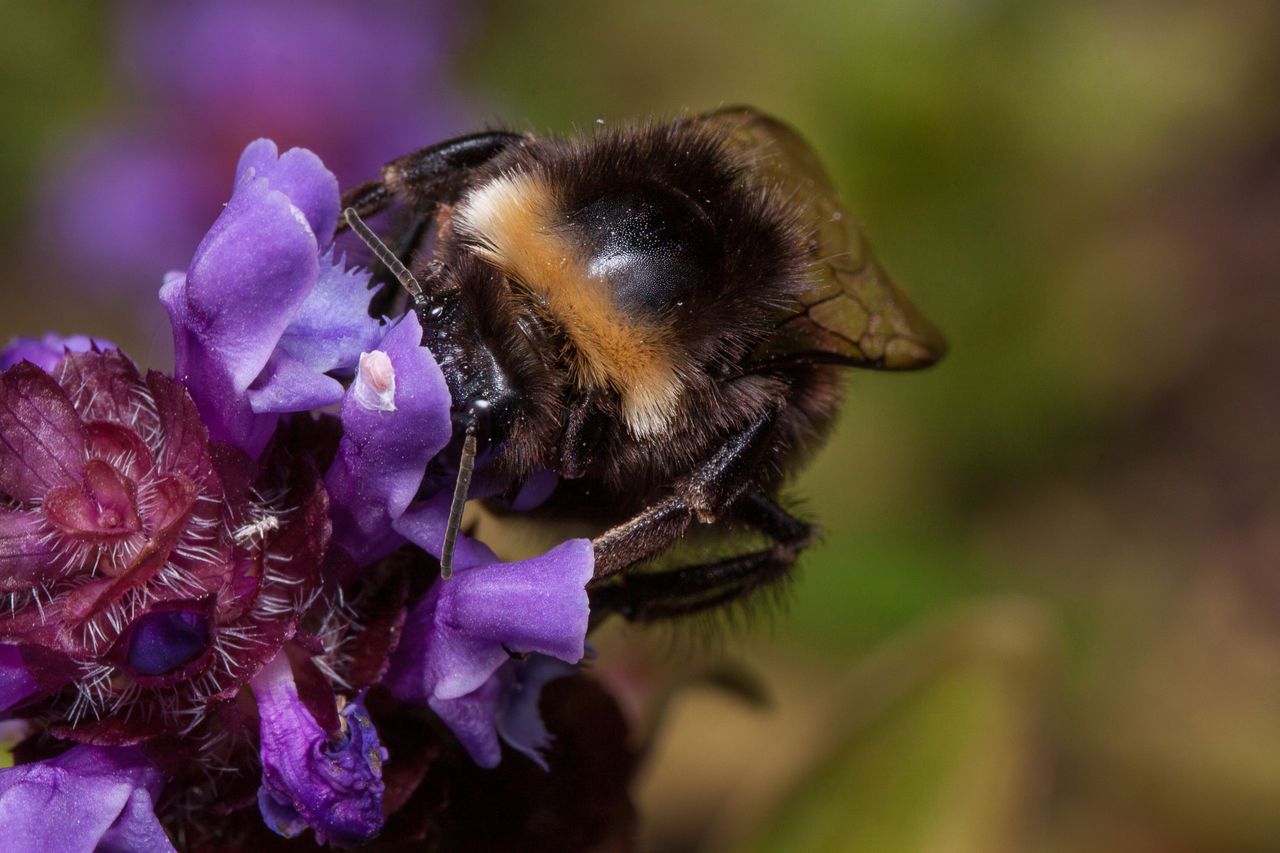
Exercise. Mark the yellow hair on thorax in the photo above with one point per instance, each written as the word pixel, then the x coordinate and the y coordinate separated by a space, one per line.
pixel 514 222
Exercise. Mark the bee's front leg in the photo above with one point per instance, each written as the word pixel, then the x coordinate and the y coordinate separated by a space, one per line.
pixel 432 176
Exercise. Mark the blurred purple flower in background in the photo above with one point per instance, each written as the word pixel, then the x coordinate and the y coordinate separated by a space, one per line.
pixel 46 352
pixel 358 82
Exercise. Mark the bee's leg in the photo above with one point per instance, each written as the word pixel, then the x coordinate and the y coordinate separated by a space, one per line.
pixel 579 437
pixel 648 597
pixel 427 178
pixel 704 495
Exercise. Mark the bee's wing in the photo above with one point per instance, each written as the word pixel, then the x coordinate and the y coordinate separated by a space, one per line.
pixel 854 313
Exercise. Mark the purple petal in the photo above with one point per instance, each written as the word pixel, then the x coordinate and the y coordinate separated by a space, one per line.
pixel 434 662
pixel 88 798
pixel 536 605
pixel 164 640
pixel 332 783
pixel 519 721
pixel 333 326
pixel 505 706
pixel 48 351
pixel 472 718
pixel 299 174
pixel 383 454
pixel 288 385
pixel 535 490
pixel 462 633
pixel 42 442
pixel 16 681
pixel 424 525
pixel 250 275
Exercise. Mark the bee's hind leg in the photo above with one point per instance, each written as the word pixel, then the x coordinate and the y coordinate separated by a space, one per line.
pixel 649 597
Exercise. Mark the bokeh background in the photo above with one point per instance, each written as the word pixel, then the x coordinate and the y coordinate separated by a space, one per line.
pixel 1046 612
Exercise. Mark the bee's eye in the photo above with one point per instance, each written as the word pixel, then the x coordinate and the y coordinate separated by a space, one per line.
pixel 652 246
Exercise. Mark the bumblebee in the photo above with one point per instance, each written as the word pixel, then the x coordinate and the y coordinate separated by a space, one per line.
pixel 659 315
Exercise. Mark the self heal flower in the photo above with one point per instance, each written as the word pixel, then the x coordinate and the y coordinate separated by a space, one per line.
pixel 330 781
pixel 459 637
pixel 89 798
pixel 148 568
pixel 265 312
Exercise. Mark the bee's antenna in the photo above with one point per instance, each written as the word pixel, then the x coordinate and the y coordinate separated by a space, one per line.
pixel 382 253
pixel 465 466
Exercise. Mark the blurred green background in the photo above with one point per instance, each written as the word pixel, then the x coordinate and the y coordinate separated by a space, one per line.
pixel 1046 612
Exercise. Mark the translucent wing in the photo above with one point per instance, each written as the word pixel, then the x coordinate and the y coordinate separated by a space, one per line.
pixel 854 313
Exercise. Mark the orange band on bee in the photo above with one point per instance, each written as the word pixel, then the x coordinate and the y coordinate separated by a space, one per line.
pixel 515 223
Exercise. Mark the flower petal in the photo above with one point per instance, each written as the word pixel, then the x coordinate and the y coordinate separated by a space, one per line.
pixel 424 525
pixel 506 706
pixel 88 798
pixel 165 640
pixel 288 385
pixel 333 783
pixel 537 605
pixel 333 325
pixel 465 628
pixel 300 175
pixel 249 276
pixel 471 719
pixel 383 454
pixel 519 720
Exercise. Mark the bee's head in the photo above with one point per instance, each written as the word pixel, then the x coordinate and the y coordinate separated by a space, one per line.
pixel 489 362
pixel 496 359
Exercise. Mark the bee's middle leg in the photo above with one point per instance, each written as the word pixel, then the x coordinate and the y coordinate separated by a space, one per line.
pixel 648 597
pixel 705 495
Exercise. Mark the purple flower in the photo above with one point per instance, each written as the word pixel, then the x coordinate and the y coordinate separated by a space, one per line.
pixel 47 352
pixel 168 587
pixel 330 781
pixel 263 313
pixel 467 627
pixel 395 418
pixel 211 76
pixel 89 798
pixel 135 553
